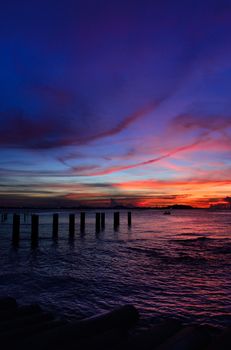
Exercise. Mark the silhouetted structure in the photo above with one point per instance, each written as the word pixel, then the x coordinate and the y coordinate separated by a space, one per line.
pixel 16 229
pixel 71 225
pixel 34 229
pixel 129 218
pixel 82 222
pixel 55 225
pixel 97 222
pixel 116 220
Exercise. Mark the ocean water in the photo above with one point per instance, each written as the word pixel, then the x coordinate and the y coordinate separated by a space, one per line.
pixel 167 266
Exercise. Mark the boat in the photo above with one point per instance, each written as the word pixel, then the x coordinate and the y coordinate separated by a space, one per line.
pixel 167 212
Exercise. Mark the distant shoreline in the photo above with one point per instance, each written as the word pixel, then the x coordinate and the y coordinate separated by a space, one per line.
pixel 174 207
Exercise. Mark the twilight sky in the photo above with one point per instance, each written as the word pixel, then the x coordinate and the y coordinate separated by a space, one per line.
pixel 120 101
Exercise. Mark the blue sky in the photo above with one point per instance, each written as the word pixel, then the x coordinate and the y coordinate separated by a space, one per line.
pixel 112 99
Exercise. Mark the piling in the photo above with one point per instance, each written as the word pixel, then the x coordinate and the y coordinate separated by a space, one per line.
pixel 129 218
pixel 16 229
pixel 71 224
pixel 97 222
pixel 116 219
pixel 82 221
pixel 102 218
pixel 34 228
pixel 55 225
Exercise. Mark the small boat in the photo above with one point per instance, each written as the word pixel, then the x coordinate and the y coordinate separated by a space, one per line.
pixel 167 212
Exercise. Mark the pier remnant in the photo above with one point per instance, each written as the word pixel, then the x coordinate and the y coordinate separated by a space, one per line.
pixel 116 220
pixel 55 225
pixel 34 229
pixel 82 221
pixel 16 229
pixel 129 218
pixel 71 225
pixel 97 222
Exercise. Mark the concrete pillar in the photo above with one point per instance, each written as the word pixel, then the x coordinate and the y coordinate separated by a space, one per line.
pixel 97 222
pixel 34 229
pixel 116 220
pixel 129 218
pixel 55 227
pixel 16 229
pixel 82 221
pixel 71 224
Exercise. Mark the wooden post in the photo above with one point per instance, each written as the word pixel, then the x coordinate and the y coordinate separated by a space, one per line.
pixel 72 224
pixel 55 225
pixel 34 229
pixel 97 222
pixel 82 221
pixel 16 229
pixel 129 218
pixel 102 221
pixel 115 223
pixel 116 219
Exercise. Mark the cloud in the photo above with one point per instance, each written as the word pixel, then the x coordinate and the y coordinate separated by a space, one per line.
pixel 118 168
pixel 23 131
pixel 20 200
pixel 46 132
pixel 156 184
pixel 202 128
pixel 190 122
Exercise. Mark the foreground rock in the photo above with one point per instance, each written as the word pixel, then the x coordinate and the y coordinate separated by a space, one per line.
pixel 30 327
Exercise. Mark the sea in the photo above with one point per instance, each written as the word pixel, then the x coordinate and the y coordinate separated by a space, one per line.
pixel 176 266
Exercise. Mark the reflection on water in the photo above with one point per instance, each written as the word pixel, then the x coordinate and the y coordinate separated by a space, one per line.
pixel 176 265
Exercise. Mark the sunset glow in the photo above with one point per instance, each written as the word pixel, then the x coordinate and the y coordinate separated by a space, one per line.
pixel 115 102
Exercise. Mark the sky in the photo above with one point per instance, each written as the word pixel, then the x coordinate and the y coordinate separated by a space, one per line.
pixel 120 102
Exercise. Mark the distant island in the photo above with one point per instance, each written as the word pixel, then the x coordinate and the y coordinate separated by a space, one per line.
pixel 180 206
